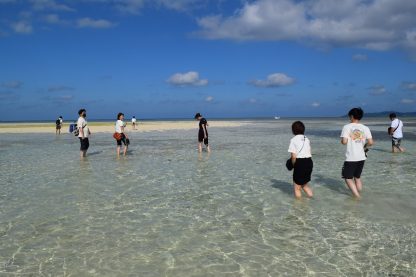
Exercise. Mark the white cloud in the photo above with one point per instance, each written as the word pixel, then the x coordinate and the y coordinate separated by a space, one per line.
pixel 409 86
pixel 376 24
pixel 135 6
pixel 274 80
pixel 22 27
pixel 130 6
pixel 12 84
pixel 54 19
pixel 41 5
pixel 316 104
pixel 190 78
pixel 87 22
pixel 209 98
pixel 377 90
pixel 360 57
pixel 59 88
pixel 407 101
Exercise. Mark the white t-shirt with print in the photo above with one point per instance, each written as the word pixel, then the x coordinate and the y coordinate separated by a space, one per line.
pixel 301 146
pixel 399 131
pixel 119 124
pixel 82 123
pixel 357 135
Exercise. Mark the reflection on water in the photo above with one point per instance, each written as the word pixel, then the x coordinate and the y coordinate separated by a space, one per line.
pixel 165 210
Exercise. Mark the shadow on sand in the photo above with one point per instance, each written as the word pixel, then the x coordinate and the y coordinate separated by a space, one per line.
pixel 285 187
pixel 94 153
pixel 333 184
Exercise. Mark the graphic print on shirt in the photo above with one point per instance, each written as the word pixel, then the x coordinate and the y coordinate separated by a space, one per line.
pixel 357 135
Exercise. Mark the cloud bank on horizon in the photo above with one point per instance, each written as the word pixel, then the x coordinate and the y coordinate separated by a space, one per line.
pixel 228 58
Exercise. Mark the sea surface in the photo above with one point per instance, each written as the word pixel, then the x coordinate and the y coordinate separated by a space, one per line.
pixel 165 210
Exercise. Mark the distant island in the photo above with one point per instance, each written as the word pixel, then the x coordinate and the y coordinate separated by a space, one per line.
pixel 386 114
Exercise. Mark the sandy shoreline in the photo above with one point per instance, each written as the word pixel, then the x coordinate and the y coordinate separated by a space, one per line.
pixel 108 127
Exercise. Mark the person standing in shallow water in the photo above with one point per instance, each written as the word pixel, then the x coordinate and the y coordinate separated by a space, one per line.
pixel 202 133
pixel 134 122
pixel 120 130
pixel 84 132
pixel 300 151
pixel 58 124
pixel 396 133
pixel 357 137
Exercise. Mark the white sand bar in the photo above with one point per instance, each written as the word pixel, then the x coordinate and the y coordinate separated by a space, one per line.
pixel 108 127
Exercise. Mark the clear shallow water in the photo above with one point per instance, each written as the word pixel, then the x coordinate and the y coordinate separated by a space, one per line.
pixel 166 211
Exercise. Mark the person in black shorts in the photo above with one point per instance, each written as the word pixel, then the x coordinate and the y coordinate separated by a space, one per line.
pixel 202 133
pixel 357 137
pixel 58 124
pixel 301 157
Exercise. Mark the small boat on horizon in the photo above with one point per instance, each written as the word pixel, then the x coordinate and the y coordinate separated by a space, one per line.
pixel 277 117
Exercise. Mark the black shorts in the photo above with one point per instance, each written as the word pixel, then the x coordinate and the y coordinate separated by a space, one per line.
pixel 352 170
pixel 302 171
pixel 395 142
pixel 123 139
pixel 201 137
pixel 58 127
pixel 85 143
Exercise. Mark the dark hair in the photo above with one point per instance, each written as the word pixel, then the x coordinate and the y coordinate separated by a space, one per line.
pixel 298 128
pixel 392 115
pixel 118 115
pixel 198 115
pixel 356 113
pixel 81 111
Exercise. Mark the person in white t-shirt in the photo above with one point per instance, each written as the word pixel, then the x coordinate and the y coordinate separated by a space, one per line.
pixel 300 150
pixel 396 133
pixel 120 135
pixel 357 137
pixel 84 132
pixel 134 122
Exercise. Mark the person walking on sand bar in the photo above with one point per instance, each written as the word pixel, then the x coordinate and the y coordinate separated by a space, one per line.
pixel 300 150
pixel 357 137
pixel 134 122
pixel 84 132
pixel 396 133
pixel 120 134
pixel 58 124
pixel 202 133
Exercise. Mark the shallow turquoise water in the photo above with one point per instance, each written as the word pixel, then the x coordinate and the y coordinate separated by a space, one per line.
pixel 166 211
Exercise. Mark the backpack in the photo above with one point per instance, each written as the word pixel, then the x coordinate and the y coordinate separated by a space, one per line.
pixel 58 122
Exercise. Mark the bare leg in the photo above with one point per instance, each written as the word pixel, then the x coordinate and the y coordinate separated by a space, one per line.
pixel 200 147
pixel 351 184
pixel 308 190
pixel 125 150
pixel 297 190
pixel 358 184
pixel 208 149
pixel 118 151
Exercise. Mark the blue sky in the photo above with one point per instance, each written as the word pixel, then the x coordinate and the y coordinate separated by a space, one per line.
pixel 170 59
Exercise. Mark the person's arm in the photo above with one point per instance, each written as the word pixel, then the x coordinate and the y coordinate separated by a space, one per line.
pixel 81 131
pixel 344 136
pixel 205 131
pixel 293 158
